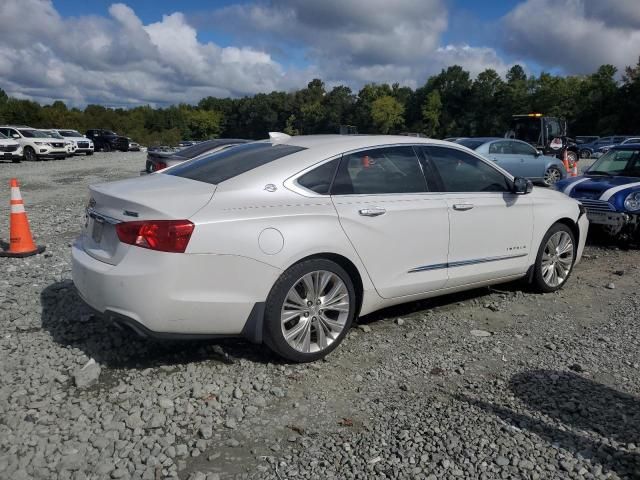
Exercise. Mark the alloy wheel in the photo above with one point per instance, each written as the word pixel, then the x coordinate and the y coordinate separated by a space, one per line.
pixel 557 259
pixel 551 176
pixel 315 311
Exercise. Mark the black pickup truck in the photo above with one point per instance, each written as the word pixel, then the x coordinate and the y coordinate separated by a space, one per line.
pixel 107 141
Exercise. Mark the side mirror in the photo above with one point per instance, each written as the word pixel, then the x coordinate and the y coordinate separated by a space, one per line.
pixel 539 152
pixel 522 186
pixel 15 135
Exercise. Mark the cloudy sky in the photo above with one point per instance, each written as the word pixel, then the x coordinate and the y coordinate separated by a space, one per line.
pixel 161 52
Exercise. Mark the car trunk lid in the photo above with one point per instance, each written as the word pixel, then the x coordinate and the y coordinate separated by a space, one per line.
pixel 152 197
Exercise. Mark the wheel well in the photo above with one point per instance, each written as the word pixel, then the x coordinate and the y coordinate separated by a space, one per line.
pixel 573 226
pixel 349 267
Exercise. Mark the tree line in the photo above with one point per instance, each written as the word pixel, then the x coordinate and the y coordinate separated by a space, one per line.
pixel 449 104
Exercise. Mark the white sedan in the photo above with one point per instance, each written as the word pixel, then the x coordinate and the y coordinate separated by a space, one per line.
pixel 287 241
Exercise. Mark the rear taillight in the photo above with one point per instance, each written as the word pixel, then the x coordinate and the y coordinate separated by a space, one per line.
pixel 159 166
pixel 162 235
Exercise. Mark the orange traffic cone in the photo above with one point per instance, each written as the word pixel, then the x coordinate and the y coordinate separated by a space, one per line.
pixel 20 240
pixel 565 161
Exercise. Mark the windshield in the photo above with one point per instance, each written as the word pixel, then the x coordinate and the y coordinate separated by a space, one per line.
pixel 70 133
pixel 527 129
pixel 33 134
pixel 228 163
pixel 618 162
pixel 52 134
pixel 110 133
pixel 470 142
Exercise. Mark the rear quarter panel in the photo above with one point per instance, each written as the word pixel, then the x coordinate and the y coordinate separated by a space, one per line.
pixel 232 224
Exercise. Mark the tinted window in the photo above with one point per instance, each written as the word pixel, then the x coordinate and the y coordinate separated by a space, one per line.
pixel 200 148
pixel 380 170
pixel 461 172
pixel 319 179
pixel 2 135
pixel 520 148
pixel 228 163
pixel 501 148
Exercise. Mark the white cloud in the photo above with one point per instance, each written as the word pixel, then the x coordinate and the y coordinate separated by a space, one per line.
pixel 121 61
pixel 283 44
pixel 576 36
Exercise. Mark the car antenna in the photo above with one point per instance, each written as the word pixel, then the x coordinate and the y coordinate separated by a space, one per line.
pixel 278 137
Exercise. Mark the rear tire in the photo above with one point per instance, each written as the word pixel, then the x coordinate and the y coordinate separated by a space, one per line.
pixel 585 153
pixel 555 259
pixel 309 310
pixel 15 160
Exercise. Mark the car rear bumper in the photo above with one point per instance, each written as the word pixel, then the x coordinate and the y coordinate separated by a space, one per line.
pixel 173 295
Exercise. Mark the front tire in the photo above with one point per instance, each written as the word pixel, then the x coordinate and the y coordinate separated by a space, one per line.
pixel 106 147
pixel 585 153
pixel 88 154
pixel 552 176
pixel 555 259
pixel 309 310
pixel 30 154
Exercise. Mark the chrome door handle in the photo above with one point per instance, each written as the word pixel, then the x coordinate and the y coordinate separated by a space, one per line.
pixel 463 206
pixel 372 212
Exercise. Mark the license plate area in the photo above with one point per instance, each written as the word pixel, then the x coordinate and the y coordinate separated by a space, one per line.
pixel 610 219
pixel 97 229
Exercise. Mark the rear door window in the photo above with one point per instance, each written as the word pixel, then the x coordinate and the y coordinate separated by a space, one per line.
pixel 379 171
pixel 228 163
pixel 501 148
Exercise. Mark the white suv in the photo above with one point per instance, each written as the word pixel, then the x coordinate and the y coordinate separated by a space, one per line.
pixel 68 144
pixel 83 144
pixel 10 149
pixel 36 145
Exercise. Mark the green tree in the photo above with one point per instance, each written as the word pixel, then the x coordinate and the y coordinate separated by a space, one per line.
pixel 203 124
pixel 387 113
pixel 431 111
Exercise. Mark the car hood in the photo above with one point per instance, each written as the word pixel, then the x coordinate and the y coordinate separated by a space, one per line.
pixel 599 188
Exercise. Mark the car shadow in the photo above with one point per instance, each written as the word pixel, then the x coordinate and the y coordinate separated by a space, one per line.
pixel 569 411
pixel 72 323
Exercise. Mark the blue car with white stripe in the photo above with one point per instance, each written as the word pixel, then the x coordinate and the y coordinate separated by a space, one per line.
pixel 610 191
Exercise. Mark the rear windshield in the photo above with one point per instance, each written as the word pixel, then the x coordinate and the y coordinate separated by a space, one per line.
pixel 470 143
pixel 198 149
pixel 226 164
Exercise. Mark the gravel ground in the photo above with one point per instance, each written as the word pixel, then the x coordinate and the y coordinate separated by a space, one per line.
pixel 493 383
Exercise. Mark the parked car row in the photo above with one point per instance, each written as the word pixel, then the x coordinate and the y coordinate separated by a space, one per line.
pixel 21 142
pixel 599 145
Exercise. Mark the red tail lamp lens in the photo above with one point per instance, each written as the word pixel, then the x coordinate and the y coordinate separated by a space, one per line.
pixel 161 235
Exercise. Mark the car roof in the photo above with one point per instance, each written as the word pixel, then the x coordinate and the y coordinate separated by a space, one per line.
pixel 626 146
pixel 341 143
